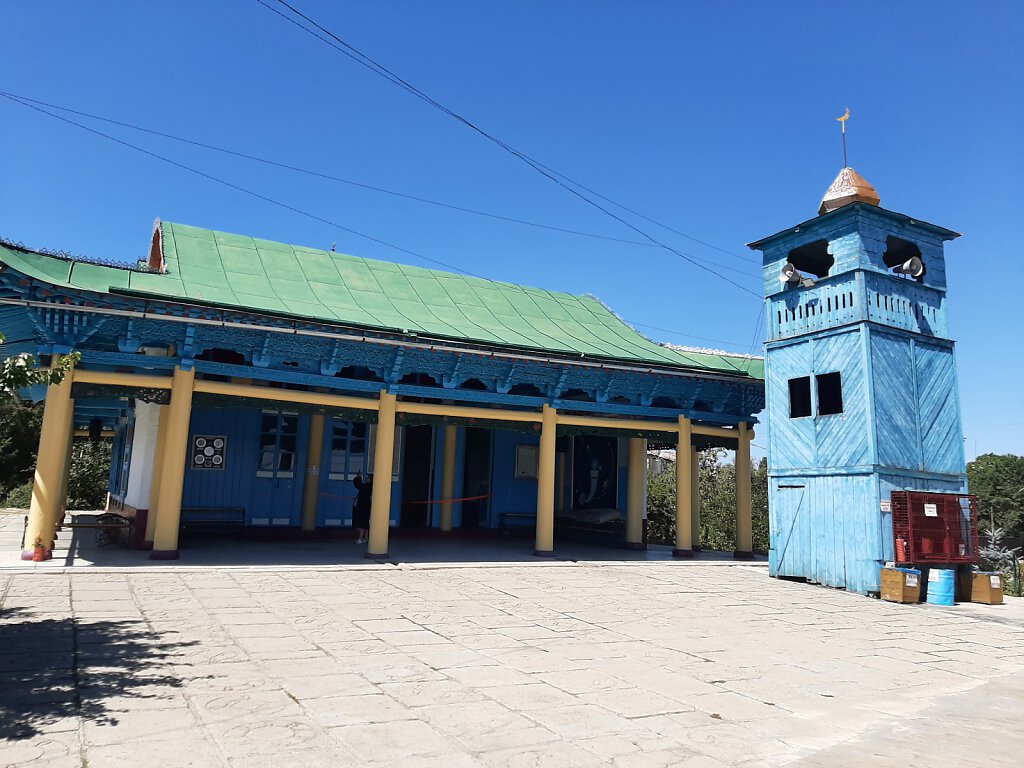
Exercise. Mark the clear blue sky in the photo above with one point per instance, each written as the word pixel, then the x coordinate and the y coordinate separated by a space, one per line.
pixel 715 118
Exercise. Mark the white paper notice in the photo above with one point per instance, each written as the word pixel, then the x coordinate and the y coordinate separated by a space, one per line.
pixel 931 510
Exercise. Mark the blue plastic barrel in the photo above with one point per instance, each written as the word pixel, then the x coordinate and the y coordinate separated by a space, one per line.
pixel 941 585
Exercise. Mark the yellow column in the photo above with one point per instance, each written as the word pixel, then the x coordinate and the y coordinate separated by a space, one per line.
pixel 380 506
pixel 65 475
pixel 50 469
pixel 635 493
pixel 744 526
pixel 314 456
pixel 448 476
pixel 684 491
pixel 694 499
pixel 179 412
pixel 154 486
pixel 545 542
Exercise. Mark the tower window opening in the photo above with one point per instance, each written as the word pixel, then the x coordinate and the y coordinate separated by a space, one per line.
pixel 844 301
pixel 780 317
pixel 830 393
pixel 898 252
pixel 800 397
pixel 851 299
pixel 828 303
pixel 800 311
pixel 813 258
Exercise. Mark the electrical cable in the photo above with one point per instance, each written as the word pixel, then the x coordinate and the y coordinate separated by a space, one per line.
pixel 361 58
pixel 238 188
pixel 182 166
pixel 328 177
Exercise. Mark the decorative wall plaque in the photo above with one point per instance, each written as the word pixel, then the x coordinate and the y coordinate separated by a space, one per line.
pixel 209 451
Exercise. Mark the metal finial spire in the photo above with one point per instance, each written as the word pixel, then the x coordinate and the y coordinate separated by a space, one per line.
pixel 842 120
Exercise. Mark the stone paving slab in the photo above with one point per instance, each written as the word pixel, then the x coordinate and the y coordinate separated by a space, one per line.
pixel 586 664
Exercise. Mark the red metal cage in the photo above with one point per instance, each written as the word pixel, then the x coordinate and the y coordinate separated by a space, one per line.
pixel 940 528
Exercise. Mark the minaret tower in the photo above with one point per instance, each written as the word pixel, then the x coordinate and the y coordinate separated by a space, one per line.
pixel 861 382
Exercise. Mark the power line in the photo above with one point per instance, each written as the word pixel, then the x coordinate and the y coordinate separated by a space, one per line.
pixel 265 198
pixel 329 177
pixel 238 188
pixel 557 178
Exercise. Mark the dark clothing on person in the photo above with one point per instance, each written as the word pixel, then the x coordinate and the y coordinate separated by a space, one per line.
pixel 361 506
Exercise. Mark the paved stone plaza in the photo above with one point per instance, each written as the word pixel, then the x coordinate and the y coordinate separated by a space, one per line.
pixel 553 664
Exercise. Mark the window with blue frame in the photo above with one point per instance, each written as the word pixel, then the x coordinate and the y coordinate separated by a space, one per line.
pixel 349 449
pixel 278 441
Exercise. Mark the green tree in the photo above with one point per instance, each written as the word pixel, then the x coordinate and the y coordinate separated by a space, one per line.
pixel 19 441
pixel 717 503
pixel 20 371
pixel 998 482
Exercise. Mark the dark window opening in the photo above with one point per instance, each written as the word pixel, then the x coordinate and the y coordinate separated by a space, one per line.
pixel 226 356
pixel 664 402
pixel 526 390
pixel 701 405
pixel 813 258
pixel 474 384
pixel 577 394
pixel 419 380
pixel 621 400
pixel 358 372
pixel 898 251
pixel 830 393
pixel 800 397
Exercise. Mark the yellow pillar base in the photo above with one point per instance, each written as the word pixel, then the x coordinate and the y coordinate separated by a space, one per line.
pixel 684 489
pixel 380 502
pixel 545 537
pixel 314 456
pixel 695 499
pixel 448 476
pixel 50 480
pixel 637 478
pixel 172 480
pixel 744 521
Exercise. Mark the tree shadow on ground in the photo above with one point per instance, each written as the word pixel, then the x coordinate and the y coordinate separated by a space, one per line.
pixel 55 671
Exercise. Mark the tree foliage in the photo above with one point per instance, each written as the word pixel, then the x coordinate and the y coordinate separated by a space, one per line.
pixel 21 371
pixel 717 503
pixel 87 479
pixel 19 441
pixel 998 482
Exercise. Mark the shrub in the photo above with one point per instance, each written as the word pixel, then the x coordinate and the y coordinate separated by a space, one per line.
pixel 19 497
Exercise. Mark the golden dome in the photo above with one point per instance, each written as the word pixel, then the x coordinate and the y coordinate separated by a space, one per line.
pixel 849 187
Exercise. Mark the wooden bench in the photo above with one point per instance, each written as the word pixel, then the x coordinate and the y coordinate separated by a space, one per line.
pixel 212 517
pixel 110 528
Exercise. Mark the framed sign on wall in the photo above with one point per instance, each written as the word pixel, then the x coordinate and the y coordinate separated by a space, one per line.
pixel 209 451
pixel 526 462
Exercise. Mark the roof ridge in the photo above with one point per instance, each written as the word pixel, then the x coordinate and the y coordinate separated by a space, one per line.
pixel 76 259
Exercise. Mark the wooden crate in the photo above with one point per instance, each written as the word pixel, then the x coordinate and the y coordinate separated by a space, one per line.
pixel 901 585
pixel 981 587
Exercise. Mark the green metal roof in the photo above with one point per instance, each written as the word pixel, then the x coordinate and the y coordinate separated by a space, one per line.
pixel 246 273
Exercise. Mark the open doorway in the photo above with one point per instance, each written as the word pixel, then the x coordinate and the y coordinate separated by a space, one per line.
pixel 417 463
pixel 476 478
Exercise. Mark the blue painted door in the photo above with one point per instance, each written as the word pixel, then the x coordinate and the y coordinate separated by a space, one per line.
pixel 789 534
pixel 277 481
pixel 345 455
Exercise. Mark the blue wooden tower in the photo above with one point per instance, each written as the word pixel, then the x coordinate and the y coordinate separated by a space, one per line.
pixel 861 383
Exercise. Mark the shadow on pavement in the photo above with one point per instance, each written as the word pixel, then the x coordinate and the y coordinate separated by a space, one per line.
pixel 56 670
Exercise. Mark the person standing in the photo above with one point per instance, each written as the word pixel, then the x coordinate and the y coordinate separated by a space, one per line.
pixel 361 507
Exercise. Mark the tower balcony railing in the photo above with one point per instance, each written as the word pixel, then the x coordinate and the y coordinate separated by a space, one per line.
pixel 836 301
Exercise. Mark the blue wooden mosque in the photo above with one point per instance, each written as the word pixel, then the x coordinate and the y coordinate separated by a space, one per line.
pixel 861 383
pixel 249 383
